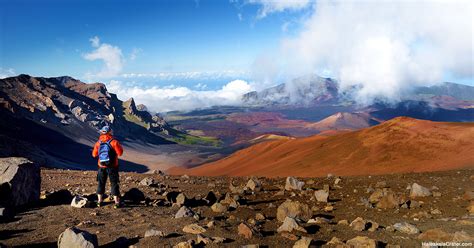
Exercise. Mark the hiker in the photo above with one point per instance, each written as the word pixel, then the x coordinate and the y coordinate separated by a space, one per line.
pixel 107 149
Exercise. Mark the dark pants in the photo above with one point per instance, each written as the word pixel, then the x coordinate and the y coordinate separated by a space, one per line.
pixel 113 174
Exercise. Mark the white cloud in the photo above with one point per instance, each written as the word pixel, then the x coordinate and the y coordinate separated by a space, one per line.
pixel 385 47
pixel 95 41
pixel 6 72
pixel 271 6
pixel 109 54
pixel 135 52
pixel 181 98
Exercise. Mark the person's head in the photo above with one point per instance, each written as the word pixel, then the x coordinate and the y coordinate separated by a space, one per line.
pixel 105 130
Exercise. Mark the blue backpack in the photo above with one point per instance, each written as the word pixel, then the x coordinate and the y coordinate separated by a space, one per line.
pixel 106 153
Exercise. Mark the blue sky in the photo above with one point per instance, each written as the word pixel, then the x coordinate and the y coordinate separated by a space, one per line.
pixel 49 38
pixel 197 51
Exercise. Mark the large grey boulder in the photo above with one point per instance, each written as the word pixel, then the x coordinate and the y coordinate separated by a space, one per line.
pixel 293 184
pixel 20 181
pixel 76 238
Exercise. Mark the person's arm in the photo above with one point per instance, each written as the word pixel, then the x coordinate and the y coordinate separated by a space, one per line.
pixel 117 147
pixel 95 151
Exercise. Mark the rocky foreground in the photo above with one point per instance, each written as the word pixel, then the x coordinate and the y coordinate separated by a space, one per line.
pixel 400 210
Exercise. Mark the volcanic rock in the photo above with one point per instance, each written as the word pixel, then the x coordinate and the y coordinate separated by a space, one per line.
pixel 290 224
pixel 218 208
pixel 73 237
pixel 304 242
pixel 294 209
pixel 147 181
pixel 419 191
pixel 246 231
pixel 184 212
pixel 20 181
pixel 153 232
pixel 362 241
pixel 254 184
pixel 134 195
pixel 293 184
pixel 406 228
pixel 193 229
pixel 321 195
pixel 358 224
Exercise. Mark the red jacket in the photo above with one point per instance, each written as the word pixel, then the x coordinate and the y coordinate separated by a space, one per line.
pixel 114 144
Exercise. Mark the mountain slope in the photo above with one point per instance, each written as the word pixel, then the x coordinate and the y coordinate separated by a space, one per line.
pixel 55 121
pixel 399 145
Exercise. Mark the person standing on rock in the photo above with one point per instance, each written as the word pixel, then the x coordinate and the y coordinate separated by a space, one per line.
pixel 107 150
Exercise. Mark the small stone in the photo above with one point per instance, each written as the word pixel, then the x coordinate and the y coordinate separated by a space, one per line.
pixel 293 184
pixel 362 241
pixel 203 240
pixel 321 195
pixel 335 242
pixel 358 224
pixel 218 208
pixel 184 212
pixel 194 229
pixel 254 184
pixel 153 232
pixel 147 182
pixel 343 222
pixel 290 224
pixel 419 191
pixel 294 209
pixel 304 242
pixel 406 228
pixel 259 216
pixel 245 230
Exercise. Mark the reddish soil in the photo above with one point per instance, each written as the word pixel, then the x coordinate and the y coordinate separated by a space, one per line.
pixel 396 146
pixel 40 226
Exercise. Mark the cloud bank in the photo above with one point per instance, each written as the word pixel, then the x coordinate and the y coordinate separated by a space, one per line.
pixel 384 48
pixel 164 99
pixel 111 56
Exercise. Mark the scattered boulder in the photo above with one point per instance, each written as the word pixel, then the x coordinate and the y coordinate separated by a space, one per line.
pixel 358 224
pixel 335 242
pixel 294 209
pixel 184 212
pixel 218 208
pixel 321 195
pixel 362 241
pixel 20 181
pixel 290 224
pixel 254 184
pixel 73 237
pixel 388 201
pixel 147 181
pixel 406 228
pixel 293 184
pixel 181 200
pixel 246 231
pixel 185 244
pixel 259 216
pixel 79 202
pixel 194 229
pixel 304 242
pixel 419 191
pixel 153 232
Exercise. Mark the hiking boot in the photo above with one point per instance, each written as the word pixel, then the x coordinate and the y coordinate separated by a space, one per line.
pixel 99 204
pixel 118 205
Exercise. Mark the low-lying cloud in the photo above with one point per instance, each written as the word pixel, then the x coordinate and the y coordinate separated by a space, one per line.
pixel 384 48
pixel 171 98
